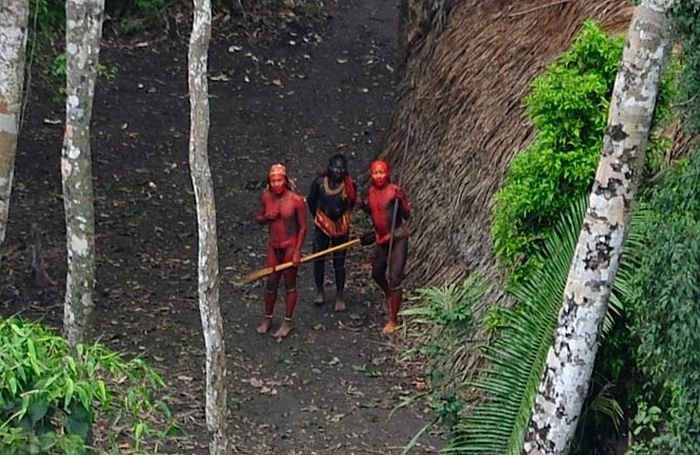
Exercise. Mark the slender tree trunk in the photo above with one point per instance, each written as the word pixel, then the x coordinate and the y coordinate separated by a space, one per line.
pixel 209 309
pixel 83 32
pixel 571 357
pixel 13 39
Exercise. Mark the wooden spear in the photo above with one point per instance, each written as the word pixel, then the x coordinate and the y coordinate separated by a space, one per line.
pixel 257 274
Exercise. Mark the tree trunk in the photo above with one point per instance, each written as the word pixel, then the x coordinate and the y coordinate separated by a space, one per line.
pixel 209 309
pixel 13 39
pixel 571 357
pixel 83 32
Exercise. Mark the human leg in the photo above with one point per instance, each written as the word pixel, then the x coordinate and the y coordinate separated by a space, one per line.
pixel 339 269
pixel 290 300
pixel 379 262
pixel 396 262
pixel 321 241
pixel 271 287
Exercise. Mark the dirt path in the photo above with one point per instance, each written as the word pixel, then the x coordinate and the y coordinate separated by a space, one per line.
pixel 329 387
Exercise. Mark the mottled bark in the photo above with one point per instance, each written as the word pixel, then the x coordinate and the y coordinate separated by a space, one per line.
pixel 83 33
pixel 209 309
pixel 13 40
pixel 572 355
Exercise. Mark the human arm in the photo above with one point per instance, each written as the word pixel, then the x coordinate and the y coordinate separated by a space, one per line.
pixel 362 204
pixel 351 192
pixel 404 206
pixel 301 233
pixel 267 211
pixel 368 238
pixel 312 198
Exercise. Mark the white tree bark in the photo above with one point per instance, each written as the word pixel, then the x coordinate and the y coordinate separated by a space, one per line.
pixel 208 262
pixel 571 357
pixel 83 33
pixel 13 40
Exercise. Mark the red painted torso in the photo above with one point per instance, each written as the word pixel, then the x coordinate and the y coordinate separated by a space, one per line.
pixel 381 209
pixel 288 228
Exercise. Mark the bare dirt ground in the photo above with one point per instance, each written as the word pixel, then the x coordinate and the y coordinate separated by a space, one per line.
pixel 313 88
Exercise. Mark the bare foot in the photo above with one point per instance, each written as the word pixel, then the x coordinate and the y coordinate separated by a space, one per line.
pixel 340 303
pixel 320 299
pixel 284 329
pixel 264 326
pixel 390 327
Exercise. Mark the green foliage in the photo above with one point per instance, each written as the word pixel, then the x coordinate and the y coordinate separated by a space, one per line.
pixel 600 420
pixel 647 420
pixel 144 6
pixel 130 11
pixel 496 318
pixel 686 23
pixel 57 70
pixel 447 314
pixel 662 291
pixel 569 107
pixel 517 358
pixel 49 15
pixel 50 399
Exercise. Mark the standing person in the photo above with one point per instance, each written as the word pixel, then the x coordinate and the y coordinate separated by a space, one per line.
pixel 282 209
pixel 331 199
pixel 388 207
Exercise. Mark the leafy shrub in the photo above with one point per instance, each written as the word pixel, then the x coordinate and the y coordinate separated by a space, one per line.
pixel 569 107
pixel 686 23
pixel 516 359
pixel 661 300
pixel 57 70
pixel 49 15
pixel 51 400
pixel 446 318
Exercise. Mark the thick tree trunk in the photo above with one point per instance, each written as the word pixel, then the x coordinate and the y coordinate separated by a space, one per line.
pixel 210 311
pixel 571 357
pixel 13 40
pixel 83 32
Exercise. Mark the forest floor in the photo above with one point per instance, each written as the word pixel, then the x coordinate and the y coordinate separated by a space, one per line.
pixel 295 89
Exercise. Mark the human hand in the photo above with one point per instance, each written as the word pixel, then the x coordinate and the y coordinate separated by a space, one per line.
pixel 296 258
pixel 367 238
pixel 400 193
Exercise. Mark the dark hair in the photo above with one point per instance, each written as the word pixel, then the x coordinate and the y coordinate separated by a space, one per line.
pixel 338 157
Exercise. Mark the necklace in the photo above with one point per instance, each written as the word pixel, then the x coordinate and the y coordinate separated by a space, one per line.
pixel 332 192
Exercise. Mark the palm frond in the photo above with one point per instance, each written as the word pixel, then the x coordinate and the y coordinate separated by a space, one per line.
pixel 634 249
pixel 516 359
pixel 444 321
pixel 606 406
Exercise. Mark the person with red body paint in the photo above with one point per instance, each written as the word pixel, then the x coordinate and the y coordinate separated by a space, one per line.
pixel 391 237
pixel 284 211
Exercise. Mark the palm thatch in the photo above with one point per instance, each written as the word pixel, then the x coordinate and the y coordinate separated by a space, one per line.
pixel 461 101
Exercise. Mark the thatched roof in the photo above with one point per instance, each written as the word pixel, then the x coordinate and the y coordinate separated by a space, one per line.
pixel 462 97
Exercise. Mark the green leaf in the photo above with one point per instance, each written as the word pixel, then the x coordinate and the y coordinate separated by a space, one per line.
pixel 78 420
pixel 517 358
pixel 68 394
pixel 37 410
